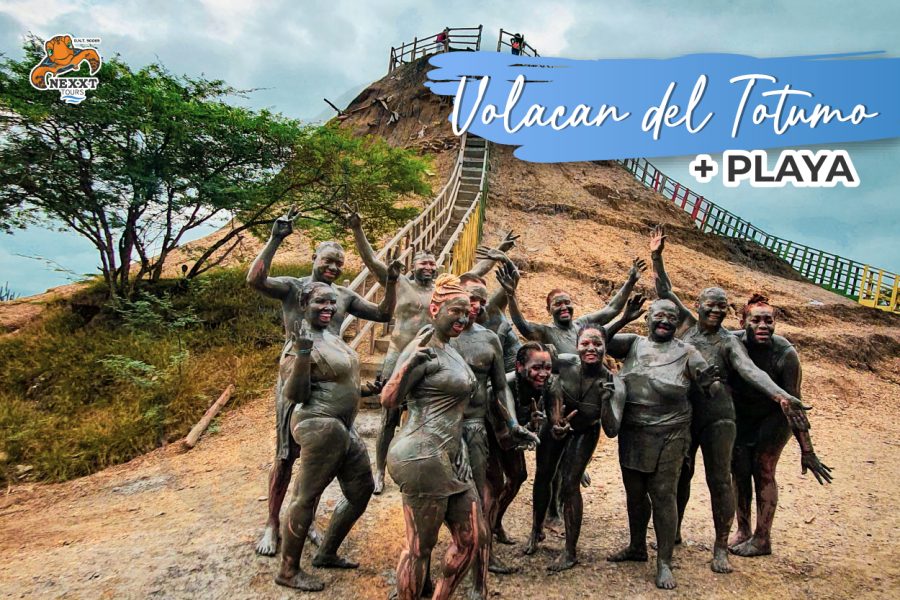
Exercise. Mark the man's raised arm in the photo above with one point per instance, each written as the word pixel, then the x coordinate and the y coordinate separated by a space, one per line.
pixel 509 279
pixel 489 256
pixel 617 303
pixel 365 250
pixel 258 276
pixel 361 308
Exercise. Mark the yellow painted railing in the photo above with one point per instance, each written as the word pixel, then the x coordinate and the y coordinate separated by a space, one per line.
pixel 463 255
pixel 880 289
pixel 458 254
pixel 423 233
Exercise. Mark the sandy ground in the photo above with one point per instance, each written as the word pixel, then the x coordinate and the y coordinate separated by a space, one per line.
pixel 183 525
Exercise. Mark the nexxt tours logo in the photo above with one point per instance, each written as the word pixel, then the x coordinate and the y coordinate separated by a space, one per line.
pixel 64 54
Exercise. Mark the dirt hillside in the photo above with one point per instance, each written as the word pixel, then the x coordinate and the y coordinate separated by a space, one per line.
pixel 183 525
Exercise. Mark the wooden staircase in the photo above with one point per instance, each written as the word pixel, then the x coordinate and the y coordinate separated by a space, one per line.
pixel 449 227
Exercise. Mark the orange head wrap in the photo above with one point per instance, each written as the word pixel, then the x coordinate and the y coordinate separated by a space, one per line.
pixel 447 286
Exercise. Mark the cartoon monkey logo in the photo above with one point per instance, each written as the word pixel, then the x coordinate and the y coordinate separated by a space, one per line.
pixel 62 57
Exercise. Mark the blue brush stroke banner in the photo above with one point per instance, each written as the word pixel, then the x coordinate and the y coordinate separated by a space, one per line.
pixel 861 86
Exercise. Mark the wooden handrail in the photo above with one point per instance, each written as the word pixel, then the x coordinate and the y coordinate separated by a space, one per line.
pixel 406 52
pixel 527 50
pixel 419 233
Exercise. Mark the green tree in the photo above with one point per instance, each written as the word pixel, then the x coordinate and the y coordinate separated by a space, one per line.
pixel 150 156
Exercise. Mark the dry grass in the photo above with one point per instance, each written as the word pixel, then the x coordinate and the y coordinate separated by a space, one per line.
pixel 86 386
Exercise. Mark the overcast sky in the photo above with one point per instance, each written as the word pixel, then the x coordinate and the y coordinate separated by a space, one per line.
pixel 296 53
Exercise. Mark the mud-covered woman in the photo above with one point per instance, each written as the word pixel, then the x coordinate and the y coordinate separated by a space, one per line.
pixel 321 381
pixel 713 428
pixel 562 331
pixel 763 430
pixel 427 458
pixel 654 438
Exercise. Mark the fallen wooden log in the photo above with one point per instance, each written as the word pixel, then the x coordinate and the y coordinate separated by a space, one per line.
pixel 191 440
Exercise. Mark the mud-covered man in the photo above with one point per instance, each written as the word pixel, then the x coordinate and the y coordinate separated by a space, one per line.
pixel 410 315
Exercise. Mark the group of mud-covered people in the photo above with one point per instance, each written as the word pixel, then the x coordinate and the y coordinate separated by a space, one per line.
pixel 476 398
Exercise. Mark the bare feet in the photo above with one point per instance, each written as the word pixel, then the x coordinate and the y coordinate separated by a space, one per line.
pixel 563 563
pixel 629 554
pixel 299 580
pixel 498 567
pixel 555 524
pixel 719 562
pixel 738 537
pixel 333 561
pixel 664 578
pixel 536 538
pixel 313 535
pixel 502 537
pixel 379 482
pixel 752 547
pixel 268 543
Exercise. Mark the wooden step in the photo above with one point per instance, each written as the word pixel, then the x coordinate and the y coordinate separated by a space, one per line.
pixel 369 367
pixel 382 344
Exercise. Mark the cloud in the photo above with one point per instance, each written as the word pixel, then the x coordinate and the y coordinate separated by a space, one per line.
pixel 295 54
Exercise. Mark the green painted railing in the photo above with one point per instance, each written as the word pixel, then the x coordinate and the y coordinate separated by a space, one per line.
pixel 871 286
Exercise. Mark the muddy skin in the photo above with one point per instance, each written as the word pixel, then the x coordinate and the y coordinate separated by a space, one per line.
pixel 763 431
pixel 658 371
pixel 582 391
pixel 562 331
pixel 427 458
pixel 321 385
pixel 533 367
pixel 328 262
pixel 481 350
pixel 410 315
pixel 494 315
pixel 713 429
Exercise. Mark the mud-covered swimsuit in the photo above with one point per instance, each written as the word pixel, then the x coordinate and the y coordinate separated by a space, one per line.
pixel 425 457
pixel 283 410
pixel 657 417
pixel 755 412
pixel 589 412
pixel 340 369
